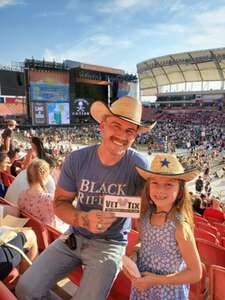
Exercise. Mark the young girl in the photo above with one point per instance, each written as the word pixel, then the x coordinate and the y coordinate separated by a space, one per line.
pixel 168 259
pixel 36 200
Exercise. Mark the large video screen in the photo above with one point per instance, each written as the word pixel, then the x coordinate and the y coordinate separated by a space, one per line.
pixel 58 113
pixel 49 86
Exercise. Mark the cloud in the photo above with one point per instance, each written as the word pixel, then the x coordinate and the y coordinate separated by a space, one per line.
pixel 47 14
pixel 123 5
pixel 95 49
pixel 4 3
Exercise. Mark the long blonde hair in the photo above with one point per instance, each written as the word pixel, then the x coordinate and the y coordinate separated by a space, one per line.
pixel 36 170
pixel 181 205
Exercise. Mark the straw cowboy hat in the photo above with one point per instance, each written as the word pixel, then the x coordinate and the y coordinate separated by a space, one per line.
pixel 126 108
pixel 167 165
pixel 12 122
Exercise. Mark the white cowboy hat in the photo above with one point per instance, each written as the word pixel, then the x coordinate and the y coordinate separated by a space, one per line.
pixel 167 165
pixel 126 108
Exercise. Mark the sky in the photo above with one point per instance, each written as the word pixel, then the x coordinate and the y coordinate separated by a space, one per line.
pixel 113 33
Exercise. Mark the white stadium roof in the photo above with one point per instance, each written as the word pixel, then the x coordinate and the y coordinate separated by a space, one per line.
pixel 197 66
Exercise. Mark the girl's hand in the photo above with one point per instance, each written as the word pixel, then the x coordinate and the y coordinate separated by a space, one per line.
pixel 146 281
pixel 126 272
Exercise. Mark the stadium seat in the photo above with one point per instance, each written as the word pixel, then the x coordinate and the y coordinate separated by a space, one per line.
pixel 7 178
pixel 198 219
pixel 11 279
pixel 215 214
pixel 203 234
pixel 210 253
pixel 39 229
pixel 223 242
pixel 196 214
pixel 5 293
pixel 212 220
pixel 6 202
pixel 221 228
pixel 216 280
pixel 209 228
pixel 198 290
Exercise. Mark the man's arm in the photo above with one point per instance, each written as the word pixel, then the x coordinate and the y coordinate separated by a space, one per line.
pixel 64 209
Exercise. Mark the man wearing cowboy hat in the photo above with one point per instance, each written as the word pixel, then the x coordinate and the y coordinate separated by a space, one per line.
pixel 97 239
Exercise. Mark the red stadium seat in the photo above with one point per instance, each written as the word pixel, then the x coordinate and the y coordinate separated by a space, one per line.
pixel 216 283
pixel 7 178
pixel 39 229
pixel 198 290
pixel 223 242
pixel 5 293
pixel 6 202
pixel 221 228
pixel 215 214
pixel 11 279
pixel 210 253
pixel 209 228
pixel 203 234
pixel 212 220
pixel 198 219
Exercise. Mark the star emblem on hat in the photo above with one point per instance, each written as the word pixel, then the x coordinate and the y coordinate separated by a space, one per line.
pixel 165 163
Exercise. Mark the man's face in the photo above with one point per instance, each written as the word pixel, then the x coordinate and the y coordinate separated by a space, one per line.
pixel 118 135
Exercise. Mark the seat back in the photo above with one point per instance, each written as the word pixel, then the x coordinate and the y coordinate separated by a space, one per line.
pixel 7 178
pixel 199 219
pixel 203 234
pixel 52 233
pixel 198 290
pixel 39 229
pixel 133 239
pixel 7 202
pixel 216 280
pixel 215 214
pixel 5 293
pixel 210 253
pixel 220 227
pixel 208 228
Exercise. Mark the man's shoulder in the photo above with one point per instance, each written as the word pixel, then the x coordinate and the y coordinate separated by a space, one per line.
pixel 83 151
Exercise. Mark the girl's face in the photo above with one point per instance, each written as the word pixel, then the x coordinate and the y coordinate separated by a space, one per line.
pixel 163 191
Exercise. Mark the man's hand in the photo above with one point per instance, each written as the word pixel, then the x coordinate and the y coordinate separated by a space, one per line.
pixel 96 221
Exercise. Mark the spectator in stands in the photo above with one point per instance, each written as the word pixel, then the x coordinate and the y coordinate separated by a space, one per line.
pixel 37 150
pixel 7 138
pixel 216 203
pixel 199 184
pixel 4 165
pixel 197 205
pixel 21 183
pixel 36 200
pixel 98 239
pixel 26 241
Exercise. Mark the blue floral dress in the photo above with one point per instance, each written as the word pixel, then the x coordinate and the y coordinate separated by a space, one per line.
pixel 160 254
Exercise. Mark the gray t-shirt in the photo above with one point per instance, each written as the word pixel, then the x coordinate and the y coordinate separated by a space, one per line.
pixel 83 173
